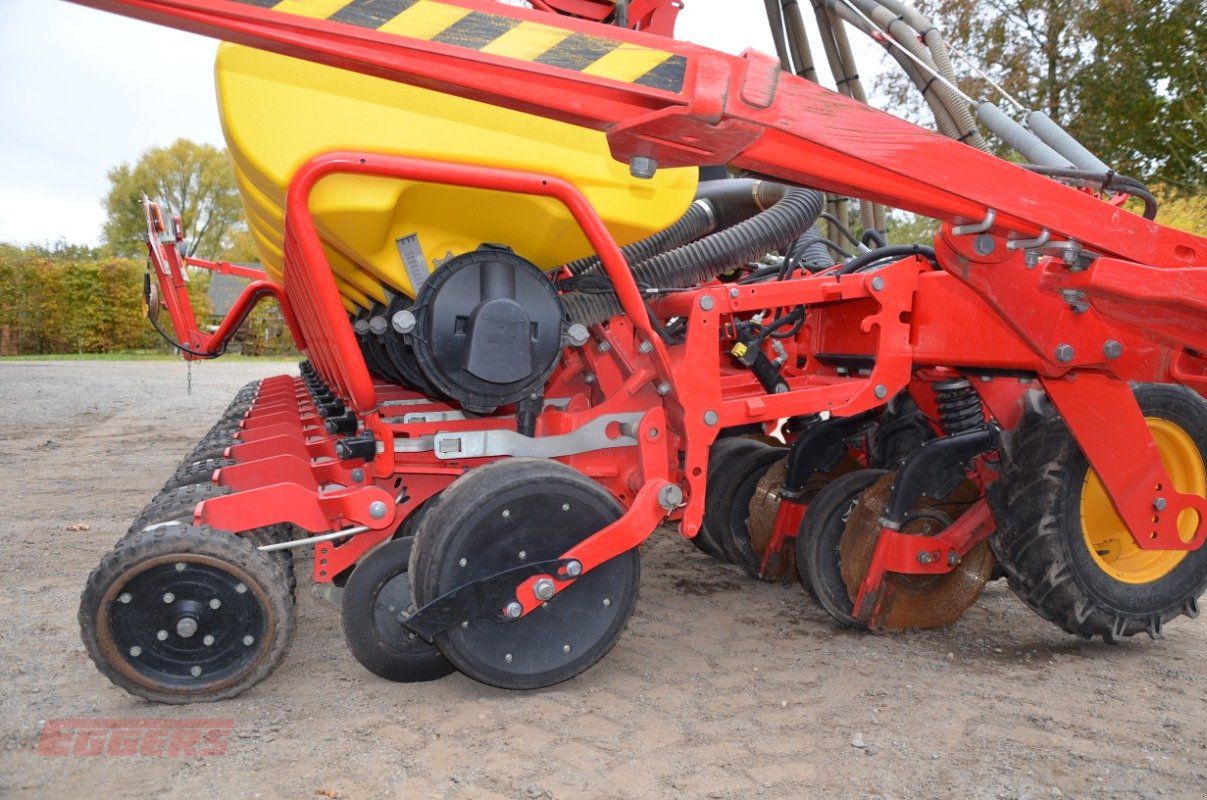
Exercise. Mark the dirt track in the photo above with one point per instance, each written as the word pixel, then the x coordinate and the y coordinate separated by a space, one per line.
pixel 720 687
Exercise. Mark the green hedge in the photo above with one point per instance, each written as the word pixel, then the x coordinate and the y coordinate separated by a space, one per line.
pixel 67 304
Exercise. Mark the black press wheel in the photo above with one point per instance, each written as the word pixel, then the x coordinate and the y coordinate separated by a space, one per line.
pixel 377 592
pixel 201 471
pixel 730 512
pixel 1063 547
pixel 185 615
pixel 722 457
pixel 506 515
pixel 818 559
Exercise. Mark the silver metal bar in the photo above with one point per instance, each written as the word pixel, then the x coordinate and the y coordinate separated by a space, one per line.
pixel 322 537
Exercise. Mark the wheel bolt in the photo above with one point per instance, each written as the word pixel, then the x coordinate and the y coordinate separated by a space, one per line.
pixel 248 641
pixel 215 604
pixel 514 610
pixel 135 651
pixel 507 658
pixel 195 672
pixel 241 588
pixel 186 627
pixel 207 640
pixel 168 597
pixel 162 636
pixel 543 589
pixel 124 597
pixel 565 648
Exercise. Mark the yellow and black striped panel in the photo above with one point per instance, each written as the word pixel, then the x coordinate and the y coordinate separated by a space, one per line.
pixel 534 42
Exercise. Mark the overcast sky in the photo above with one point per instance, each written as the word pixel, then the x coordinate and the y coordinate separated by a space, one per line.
pixel 82 91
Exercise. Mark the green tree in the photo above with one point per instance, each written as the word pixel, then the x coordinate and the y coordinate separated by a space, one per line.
pixel 1126 77
pixel 193 180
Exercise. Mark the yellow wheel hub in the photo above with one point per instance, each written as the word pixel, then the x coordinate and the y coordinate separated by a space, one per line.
pixel 1107 537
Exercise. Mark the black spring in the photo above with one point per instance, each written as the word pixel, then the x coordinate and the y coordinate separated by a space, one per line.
pixel 959 406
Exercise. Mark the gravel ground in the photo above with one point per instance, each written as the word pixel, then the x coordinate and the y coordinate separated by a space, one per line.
pixel 721 686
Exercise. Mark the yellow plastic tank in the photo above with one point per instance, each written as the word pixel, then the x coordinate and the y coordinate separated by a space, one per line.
pixel 278 112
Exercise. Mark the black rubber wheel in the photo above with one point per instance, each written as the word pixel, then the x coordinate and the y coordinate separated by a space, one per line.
pixel 902 429
pixel 212 445
pixel 722 457
pixel 733 511
pixel 817 545
pixel 186 615
pixel 502 516
pixel 1055 564
pixel 376 593
pixel 197 472
pixel 177 506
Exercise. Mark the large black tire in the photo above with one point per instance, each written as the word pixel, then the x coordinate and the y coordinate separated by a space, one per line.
pixel 178 504
pixel 376 593
pixel 1044 550
pixel 722 457
pixel 502 516
pixel 212 445
pixel 234 646
pixel 817 545
pixel 197 472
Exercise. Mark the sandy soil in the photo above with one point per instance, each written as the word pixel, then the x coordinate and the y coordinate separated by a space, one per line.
pixel 721 686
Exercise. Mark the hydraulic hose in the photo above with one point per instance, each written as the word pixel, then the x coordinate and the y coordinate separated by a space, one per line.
pixel 1062 142
pixel 892 251
pixel 1022 140
pixel 698 220
pixel 704 259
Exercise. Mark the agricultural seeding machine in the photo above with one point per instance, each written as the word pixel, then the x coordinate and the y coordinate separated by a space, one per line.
pixel 559 278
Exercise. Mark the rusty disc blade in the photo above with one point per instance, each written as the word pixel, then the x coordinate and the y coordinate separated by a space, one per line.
pixel 763 509
pixel 912 601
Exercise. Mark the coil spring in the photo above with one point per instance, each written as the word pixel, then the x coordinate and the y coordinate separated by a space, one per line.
pixel 959 406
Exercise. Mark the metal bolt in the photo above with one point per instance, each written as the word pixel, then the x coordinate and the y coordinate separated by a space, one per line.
pixel 607 601
pixel 162 636
pixel 523 555
pixel 179 567
pixel 1064 353
pixel 953 558
pixel 135 651
pixel 574 569
pixel 377 509
pixel 506 513
pixel 711 417
pixel 604 347
pixel 543 589
pixel 706 302
pixel 577 335
pixel 186 627
pixel 195 672
pixel 645 347
pixel 241 588
pixel 1031 259
pixel 215 604
pixel 464 624
pixel 643 167
pixel 1159 504
pixel 877 283
pixel 651 434
pixel 462 562
pixel 124 597
pixel 881 391
pixel 734 293
pixel 984 245
pixel 670 496
pixel 358 474
pixel 378 325
pixel 404 322
pixel 1112 349
pixel 565 506
pixel 168 597
pixel 507 658
pixel 925 557
pixel 207 640
pixel 565 648
pixel 513 610
pixel 588 378
pixel 664 388
pixel 249 640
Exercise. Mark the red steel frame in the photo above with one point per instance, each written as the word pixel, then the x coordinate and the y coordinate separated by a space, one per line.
pixel 993 307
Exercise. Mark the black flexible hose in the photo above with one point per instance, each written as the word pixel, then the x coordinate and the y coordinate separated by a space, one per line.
pixel 879 254
pixel 702 260
pixel 698 220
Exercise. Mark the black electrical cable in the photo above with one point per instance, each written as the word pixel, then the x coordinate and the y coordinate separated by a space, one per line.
pixel 843 229
pixel 877 238
pixel 864 260
pixel 1110 180
pixel 184 348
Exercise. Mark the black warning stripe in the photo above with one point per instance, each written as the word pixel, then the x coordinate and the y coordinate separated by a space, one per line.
pixel 577 52
pixel 667 76
pixel 371 13
pixel 476 30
